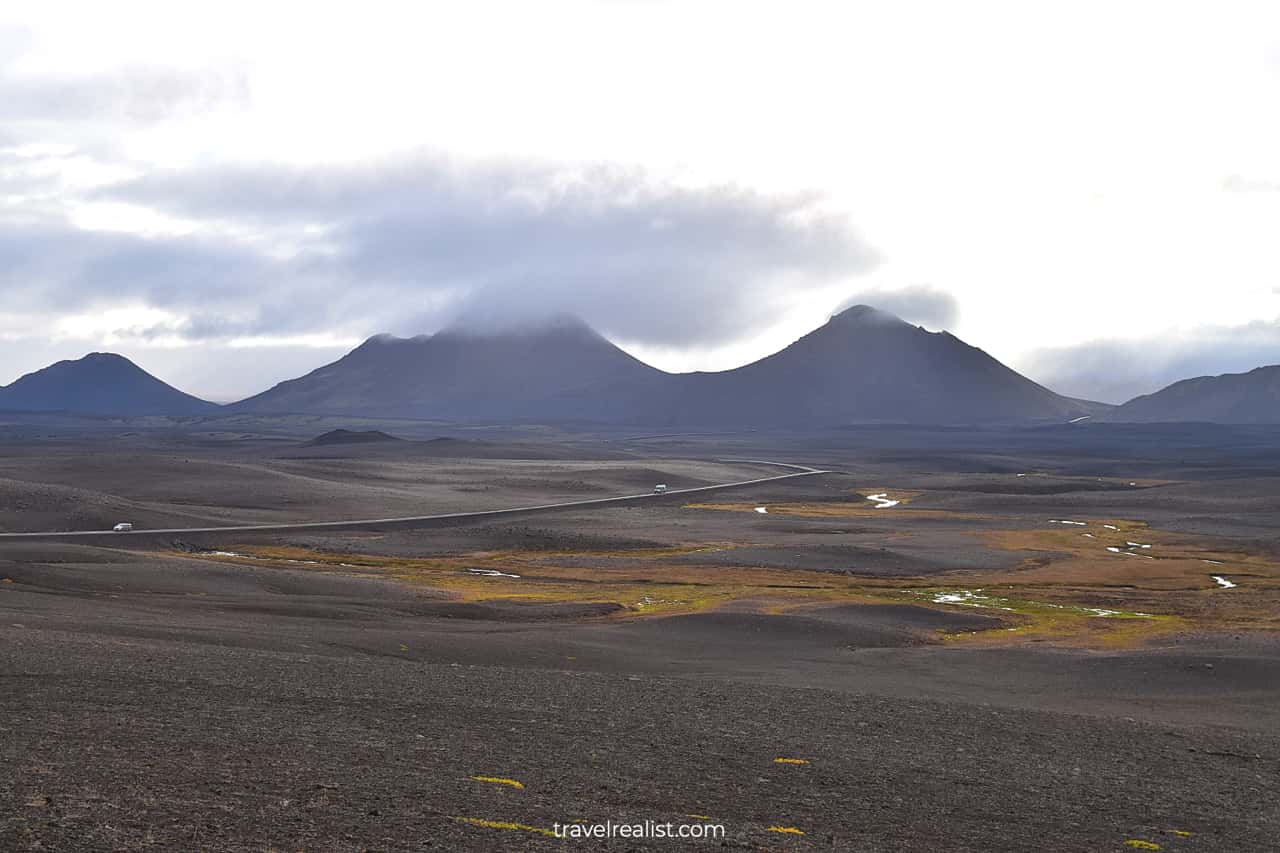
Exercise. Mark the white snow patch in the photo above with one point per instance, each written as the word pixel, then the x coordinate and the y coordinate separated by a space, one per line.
pixel 1111 527
pixel 1137 545
pixel 762 510
pixel 255 557
pixel 969 598
pixel 976 598
pixel 491 573
pixel 1079 419
pixel 882 500
pixel 1223 582
pixel 1076 523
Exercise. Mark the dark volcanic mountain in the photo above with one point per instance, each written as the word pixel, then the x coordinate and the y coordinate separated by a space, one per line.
pixel 867 366
pixel 99 384
pixel 560 371
pixel 1232 398
pixel 863 366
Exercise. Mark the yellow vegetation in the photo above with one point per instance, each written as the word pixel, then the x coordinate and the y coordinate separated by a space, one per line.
pixel 1068 589
pixel 504 824
pixel 498 780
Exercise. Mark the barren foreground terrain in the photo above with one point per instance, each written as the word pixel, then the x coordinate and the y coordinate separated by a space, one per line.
pixel 1057 639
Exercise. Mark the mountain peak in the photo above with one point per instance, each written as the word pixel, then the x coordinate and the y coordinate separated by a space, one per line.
pixel 555 367
pixel 101 360
pixel 867 315
pixel 474 326
pixel 100 383
pixel 386 339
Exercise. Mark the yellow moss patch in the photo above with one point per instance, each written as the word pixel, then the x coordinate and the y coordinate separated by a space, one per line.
pixel 1055 595
pixel 786 830
pixel 790 761
pixel 505 824
pixel 498 780
pixel 1139 844
pixel 1172 577
pixel 645 588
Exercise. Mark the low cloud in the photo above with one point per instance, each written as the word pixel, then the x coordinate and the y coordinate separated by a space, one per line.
pixel 1116 371
pixel 412 244
pixel 130 94
pixel 1243 184
pixel 919 304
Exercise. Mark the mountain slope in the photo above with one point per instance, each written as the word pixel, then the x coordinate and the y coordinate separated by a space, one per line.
pixel 99 384
pixel 862 366
pixel 867 366
pixel 1233 398
pixel 560 371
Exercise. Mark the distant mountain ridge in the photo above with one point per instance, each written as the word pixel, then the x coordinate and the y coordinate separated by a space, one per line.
pixel 1239 398
pixel 99 384
pixel 864 365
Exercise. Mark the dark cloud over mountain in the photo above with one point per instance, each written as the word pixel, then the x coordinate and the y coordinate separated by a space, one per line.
pixel 421 241
pixel 919 304
pixel 404 245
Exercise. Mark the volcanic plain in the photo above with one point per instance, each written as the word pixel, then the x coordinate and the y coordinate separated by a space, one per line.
pixel 1058 638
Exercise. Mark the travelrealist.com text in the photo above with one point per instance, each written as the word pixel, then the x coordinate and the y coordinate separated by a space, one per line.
pixel 639 830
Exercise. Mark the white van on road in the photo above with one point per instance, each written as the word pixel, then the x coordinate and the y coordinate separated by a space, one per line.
pixel 122 527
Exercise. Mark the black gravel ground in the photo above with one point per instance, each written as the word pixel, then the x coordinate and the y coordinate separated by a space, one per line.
pixel 162 703
pixel 163 721
pixel 174 746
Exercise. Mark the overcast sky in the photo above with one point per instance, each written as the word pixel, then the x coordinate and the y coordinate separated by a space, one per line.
pixel 234 194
